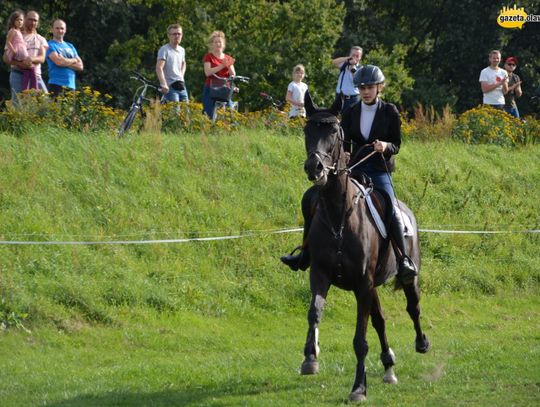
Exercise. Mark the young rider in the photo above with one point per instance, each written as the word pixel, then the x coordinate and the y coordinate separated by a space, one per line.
pixel 376 123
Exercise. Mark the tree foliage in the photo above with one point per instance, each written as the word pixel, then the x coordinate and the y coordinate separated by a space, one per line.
pixel 446 43
pixel 431 51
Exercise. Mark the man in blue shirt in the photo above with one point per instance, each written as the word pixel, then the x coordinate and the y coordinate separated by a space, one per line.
pixel 63 61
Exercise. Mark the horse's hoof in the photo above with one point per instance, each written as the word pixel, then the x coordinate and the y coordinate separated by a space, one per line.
pixel 309 367
pixel 422 344
pixel 358 395
pixel 389 376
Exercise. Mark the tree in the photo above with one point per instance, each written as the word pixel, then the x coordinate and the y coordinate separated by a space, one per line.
pixel 446 44
pixel 266 38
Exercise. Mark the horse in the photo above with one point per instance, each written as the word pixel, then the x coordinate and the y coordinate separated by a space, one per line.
pixel 348 251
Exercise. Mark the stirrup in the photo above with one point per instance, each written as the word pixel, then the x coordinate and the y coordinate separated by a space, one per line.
pixel 297 248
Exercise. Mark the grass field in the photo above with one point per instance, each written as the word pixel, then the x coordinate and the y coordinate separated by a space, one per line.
pixel 222 323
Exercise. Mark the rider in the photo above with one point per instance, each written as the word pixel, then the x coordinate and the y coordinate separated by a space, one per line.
pixel 375 123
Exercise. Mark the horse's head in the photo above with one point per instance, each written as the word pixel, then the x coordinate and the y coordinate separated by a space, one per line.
pixel 324 141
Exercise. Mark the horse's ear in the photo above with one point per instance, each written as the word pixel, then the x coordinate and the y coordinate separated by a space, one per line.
pixel 337 105
pixel 308 104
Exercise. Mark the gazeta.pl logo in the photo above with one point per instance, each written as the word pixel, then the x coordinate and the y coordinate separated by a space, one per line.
pixel 515 17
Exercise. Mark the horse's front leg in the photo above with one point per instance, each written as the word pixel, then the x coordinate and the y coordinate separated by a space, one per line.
pixel 364 301
pixel 319 289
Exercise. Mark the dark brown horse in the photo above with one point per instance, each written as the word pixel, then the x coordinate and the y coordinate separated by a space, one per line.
pixel 346 249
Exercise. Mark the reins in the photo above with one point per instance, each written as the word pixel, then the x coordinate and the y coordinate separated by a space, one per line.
pixel 349 169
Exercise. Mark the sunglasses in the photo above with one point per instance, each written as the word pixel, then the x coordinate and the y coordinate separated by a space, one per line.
pixel 511 64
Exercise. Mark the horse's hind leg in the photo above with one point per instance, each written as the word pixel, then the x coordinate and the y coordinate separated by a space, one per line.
pixel 319 290
pixel 413 308
pixel 387 355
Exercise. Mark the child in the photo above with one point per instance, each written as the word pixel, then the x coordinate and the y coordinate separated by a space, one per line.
pixel 16 48
pixel 296 91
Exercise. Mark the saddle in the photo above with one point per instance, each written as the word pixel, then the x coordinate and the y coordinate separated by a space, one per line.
pixel 378 202
pixel 380 208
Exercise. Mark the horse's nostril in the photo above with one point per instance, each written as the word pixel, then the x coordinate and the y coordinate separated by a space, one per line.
pixel 320 166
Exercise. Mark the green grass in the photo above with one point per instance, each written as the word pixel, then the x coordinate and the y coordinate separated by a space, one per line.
pixel 484 353
pixel 222 323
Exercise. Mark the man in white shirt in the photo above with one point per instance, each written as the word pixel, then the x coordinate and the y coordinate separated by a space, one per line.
pixel 494 82
pixel 171 66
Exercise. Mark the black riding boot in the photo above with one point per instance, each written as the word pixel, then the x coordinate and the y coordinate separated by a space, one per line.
pixel 297 261
pixel 407 270
pixel 302 260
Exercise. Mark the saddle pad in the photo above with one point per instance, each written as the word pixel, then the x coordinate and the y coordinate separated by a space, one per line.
pixel 408 229
pixel 371 207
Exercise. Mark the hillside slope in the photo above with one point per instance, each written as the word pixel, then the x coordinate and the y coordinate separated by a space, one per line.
pixel 58 186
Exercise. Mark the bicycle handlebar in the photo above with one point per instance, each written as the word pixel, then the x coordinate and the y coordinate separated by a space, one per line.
pixel 233 78
pixel 277 103
pixel 141 78
pixel 244 79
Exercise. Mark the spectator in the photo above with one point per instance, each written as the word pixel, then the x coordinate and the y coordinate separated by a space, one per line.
pixel 36 46
pixel 345 84
pixel 171 66
pixel 514 87
pixel 63 61
pixel 16 49
pixel 494 82
pixel 296 91
pixel 216 63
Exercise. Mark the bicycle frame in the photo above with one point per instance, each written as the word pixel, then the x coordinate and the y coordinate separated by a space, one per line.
pixel 232 106
pixel 137 104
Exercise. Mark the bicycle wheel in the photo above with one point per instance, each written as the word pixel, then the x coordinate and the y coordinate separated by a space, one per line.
pixel 219 111
pixel 128 120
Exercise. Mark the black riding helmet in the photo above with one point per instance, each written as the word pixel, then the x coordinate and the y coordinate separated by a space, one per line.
pixel 368 75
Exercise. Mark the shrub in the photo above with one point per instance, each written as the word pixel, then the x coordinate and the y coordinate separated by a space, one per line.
pixel 531 130
pixel 487 125
pixel 177 117
pixel 189 118
pixel 34 109
pixel 428 124
pixel 85 110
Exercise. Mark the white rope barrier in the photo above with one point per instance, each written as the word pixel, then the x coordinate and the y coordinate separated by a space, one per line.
pixel 239 236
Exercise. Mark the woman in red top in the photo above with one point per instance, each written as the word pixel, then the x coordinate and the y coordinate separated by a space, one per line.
pixel 216 62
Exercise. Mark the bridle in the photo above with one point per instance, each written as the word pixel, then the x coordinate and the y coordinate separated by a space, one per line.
pixel 324 158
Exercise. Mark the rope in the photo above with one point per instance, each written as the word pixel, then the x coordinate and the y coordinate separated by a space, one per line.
pixel 239 236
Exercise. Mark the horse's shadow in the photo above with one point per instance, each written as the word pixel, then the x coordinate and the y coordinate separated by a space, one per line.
pixel 200 396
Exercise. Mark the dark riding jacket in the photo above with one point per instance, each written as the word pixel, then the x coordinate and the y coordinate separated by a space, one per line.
pixel 386 127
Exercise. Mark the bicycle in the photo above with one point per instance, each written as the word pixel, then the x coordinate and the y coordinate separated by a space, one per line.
pixel 276 104
pixel 137 104
pixel 222 96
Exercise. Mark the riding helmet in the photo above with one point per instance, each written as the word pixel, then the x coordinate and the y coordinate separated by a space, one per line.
pixel 368 75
